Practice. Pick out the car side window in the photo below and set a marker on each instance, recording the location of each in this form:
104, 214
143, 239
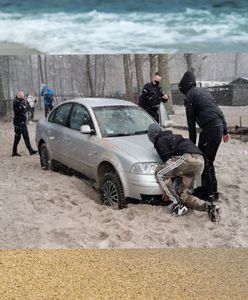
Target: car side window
79, 116
60, 115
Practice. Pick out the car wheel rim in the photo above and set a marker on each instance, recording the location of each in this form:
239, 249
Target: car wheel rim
110, 193
44, 159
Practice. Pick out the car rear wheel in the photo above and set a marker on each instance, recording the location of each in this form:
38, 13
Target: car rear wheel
45, 159
112, 193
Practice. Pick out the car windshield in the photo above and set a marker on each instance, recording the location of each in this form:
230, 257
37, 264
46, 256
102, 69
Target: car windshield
122, 120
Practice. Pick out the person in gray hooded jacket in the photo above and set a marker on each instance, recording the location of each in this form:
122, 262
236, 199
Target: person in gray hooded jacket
181, 159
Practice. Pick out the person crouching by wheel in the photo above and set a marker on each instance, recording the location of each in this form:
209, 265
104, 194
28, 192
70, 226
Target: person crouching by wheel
181, 158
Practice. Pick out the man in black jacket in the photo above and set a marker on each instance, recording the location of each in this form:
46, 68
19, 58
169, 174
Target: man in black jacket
152, 96
181, 159
20, 118
203, 110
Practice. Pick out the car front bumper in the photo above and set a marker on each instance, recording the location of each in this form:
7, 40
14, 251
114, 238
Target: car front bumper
136, 185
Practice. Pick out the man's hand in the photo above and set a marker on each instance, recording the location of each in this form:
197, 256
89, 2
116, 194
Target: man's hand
226, 138
165, 197
165, 98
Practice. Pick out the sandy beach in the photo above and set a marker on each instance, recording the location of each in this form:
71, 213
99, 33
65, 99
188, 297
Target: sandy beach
58, 242
124, 274
16, 49
42, 209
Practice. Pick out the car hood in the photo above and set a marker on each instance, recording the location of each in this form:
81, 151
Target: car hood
137, 146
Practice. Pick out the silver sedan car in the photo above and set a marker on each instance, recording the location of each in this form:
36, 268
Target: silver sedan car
106, 140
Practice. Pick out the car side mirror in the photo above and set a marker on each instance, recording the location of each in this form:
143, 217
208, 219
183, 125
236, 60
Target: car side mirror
85, 129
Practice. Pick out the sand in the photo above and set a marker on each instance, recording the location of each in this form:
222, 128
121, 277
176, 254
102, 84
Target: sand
233, 115
47, 210
124, 274
16, 49
61, 217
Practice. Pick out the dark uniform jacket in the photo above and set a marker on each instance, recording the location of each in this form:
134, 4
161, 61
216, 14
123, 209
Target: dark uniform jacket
150, 98
20, 112
201, 107
168, 144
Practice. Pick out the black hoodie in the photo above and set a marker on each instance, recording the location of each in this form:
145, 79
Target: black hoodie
168, 145
201, 107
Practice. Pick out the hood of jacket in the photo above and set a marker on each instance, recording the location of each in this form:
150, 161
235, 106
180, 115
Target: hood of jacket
153, 131
188, 80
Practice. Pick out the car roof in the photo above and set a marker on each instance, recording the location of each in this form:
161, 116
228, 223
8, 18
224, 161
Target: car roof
96, 102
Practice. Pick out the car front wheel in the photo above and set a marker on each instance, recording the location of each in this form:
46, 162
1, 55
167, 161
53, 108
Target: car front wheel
112, 193
45, 159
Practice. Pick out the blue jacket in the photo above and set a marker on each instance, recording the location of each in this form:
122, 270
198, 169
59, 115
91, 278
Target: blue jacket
48, 94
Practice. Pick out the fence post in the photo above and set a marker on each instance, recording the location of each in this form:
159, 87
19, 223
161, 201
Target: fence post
3, 108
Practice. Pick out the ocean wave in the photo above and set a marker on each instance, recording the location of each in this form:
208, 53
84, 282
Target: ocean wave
99, 32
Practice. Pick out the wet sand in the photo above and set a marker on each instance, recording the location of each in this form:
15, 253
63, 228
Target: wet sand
16, 49
124, 274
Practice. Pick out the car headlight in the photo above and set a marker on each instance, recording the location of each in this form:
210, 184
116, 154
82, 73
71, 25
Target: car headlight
145, 168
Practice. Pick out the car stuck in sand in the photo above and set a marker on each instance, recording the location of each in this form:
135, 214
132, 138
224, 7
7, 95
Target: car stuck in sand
105, 140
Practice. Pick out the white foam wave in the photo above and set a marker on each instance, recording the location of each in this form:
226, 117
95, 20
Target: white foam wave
97, 32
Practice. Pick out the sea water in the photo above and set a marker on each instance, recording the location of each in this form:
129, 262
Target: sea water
114, 26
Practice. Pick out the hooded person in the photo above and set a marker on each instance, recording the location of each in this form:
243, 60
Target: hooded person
20, 127
202, 109
182, 160
48, 95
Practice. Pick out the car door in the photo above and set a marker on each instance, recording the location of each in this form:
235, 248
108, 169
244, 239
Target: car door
57, 123
81, 148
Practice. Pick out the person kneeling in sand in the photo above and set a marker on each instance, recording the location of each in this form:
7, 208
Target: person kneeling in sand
184, 160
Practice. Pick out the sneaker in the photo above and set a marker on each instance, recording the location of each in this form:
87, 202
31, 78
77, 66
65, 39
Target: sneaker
178, 209
214, 212
33, 152
16, 154
210, 199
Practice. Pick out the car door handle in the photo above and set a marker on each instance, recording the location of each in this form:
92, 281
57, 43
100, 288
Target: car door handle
49, 131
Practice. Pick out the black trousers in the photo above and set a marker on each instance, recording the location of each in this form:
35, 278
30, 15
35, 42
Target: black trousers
209, 142
48, 108
21, 130
31, 113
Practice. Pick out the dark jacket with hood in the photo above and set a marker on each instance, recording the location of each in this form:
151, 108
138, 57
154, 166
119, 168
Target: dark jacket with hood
20, 112
201, 107
151, 97
168, 144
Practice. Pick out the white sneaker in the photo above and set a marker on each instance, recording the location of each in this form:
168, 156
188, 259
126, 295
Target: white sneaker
179, 210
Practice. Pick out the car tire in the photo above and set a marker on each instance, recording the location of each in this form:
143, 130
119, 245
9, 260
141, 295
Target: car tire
45, 159
112, 193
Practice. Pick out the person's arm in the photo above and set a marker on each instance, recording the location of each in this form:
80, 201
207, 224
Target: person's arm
191, 120
17, 107
162, 96
165, 152
226, 136
220, 113
143, 100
